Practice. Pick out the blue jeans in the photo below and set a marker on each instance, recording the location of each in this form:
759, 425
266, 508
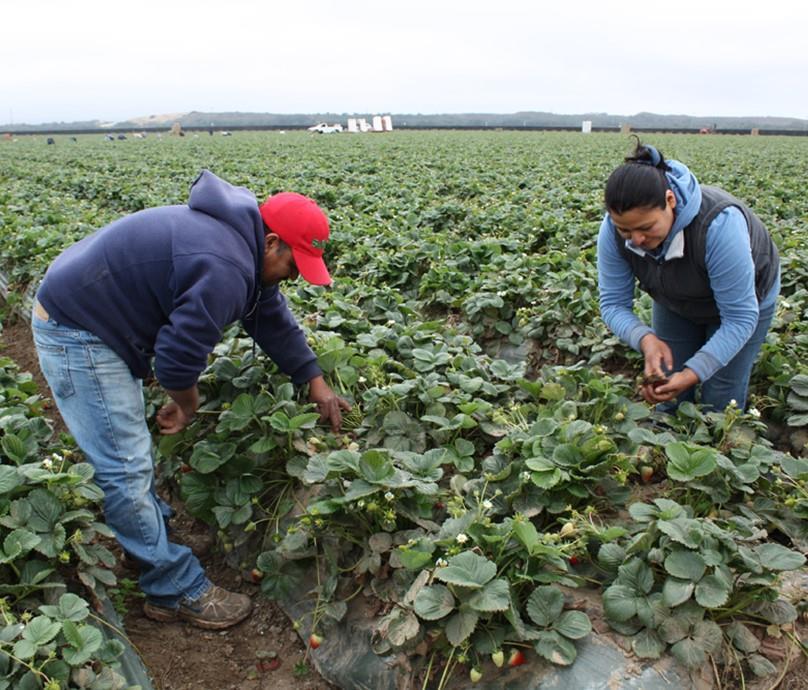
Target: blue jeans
102, 405
685, 338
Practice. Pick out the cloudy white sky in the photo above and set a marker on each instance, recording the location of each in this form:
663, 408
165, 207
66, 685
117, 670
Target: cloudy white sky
88, 59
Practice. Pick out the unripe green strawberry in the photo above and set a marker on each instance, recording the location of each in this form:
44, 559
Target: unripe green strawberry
498, 658
475, 675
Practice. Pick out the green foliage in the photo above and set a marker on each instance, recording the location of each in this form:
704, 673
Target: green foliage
676, 569
466, 492
49, 526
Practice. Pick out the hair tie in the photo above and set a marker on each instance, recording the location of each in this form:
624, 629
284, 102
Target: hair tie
656, 159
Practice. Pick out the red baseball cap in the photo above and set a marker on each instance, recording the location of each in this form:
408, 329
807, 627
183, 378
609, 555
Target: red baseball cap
301, 224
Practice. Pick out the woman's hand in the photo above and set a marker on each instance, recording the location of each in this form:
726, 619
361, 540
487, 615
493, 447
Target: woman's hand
658, 357
657, 386
670, 388
329, 404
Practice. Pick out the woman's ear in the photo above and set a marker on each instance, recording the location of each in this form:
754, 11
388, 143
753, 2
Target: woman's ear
670, 198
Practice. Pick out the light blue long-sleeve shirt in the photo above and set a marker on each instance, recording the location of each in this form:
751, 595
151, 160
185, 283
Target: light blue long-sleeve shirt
730, 268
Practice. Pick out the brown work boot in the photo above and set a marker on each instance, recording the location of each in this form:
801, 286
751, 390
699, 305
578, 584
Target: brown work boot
216, 609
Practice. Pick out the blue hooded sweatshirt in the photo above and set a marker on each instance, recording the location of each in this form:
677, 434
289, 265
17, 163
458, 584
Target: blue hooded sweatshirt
163, 283
730, 267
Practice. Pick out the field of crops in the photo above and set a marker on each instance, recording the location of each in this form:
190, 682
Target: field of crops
497, 457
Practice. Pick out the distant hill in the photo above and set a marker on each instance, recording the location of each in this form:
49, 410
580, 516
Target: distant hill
509, 120
520, 119
165, 120
53, 126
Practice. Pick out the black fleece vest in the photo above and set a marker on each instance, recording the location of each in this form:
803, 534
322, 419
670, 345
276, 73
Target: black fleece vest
682, 285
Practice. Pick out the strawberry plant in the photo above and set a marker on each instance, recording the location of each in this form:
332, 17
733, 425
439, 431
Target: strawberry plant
798, 400
677, 569
49, 533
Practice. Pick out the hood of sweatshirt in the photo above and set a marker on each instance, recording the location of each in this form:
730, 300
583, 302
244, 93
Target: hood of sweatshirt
686, 188
687, 191
235, 206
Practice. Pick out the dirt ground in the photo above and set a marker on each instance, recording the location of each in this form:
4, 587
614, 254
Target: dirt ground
262, 653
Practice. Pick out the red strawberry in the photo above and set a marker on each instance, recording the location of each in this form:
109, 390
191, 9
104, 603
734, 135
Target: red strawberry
256, 575
646, 473
517, 658
574, 561
315, 640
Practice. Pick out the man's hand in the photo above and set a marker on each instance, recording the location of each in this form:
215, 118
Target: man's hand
171, 419
179, 413
329, 404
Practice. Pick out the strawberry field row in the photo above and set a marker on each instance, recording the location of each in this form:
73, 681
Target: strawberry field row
491, 464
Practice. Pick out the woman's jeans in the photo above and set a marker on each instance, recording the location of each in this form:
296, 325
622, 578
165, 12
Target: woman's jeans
685, 338
102, 405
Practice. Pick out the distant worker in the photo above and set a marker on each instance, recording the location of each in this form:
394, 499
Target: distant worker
711, 268
155, 289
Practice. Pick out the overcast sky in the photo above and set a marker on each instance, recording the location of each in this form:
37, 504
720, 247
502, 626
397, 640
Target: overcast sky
92, 59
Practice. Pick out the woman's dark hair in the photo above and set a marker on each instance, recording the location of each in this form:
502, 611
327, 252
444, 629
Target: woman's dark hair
640, 182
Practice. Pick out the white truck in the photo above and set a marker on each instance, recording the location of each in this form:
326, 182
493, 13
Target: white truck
325, 128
